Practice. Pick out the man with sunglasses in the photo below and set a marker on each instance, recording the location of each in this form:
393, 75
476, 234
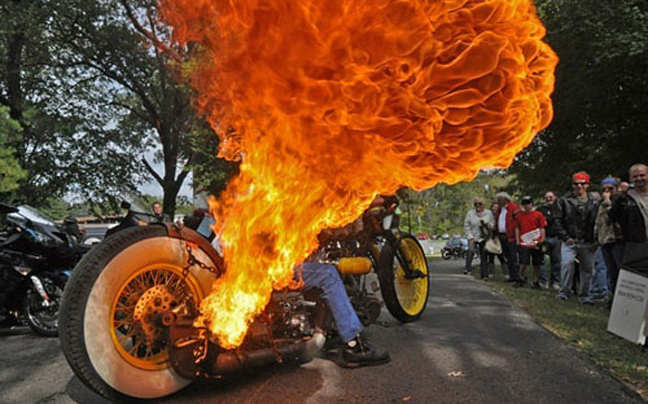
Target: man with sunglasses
575, 219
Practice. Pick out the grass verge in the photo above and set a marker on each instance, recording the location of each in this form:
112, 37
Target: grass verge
584, 327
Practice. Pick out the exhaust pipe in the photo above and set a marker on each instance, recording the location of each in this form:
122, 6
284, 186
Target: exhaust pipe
38, 285
233, 361
191, 354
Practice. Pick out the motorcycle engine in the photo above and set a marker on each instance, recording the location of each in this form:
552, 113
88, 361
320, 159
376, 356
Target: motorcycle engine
289, 313
286, 320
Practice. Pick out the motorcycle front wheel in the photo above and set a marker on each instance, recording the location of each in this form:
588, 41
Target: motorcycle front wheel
446, 254
405, 298
43, 318
112, 349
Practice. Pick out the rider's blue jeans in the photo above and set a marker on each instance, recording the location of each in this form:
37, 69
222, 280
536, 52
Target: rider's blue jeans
326, 278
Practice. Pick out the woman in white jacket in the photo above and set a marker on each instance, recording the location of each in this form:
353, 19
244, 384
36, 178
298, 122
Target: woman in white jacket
477, 225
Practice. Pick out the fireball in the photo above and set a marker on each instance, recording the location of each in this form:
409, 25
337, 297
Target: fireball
327, 103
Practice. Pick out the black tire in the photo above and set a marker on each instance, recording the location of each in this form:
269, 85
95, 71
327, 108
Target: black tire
395, 288
88, 347
42, 320
446, 255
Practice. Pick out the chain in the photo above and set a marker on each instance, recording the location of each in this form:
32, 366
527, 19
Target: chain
191, 261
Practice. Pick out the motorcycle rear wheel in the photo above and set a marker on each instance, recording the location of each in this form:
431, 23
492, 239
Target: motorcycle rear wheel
99, 335
405, 299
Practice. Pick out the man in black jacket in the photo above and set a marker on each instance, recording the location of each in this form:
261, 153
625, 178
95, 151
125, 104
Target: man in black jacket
575, 217
552, 241
630, 208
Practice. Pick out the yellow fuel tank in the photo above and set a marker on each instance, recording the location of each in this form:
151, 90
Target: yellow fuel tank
354, 266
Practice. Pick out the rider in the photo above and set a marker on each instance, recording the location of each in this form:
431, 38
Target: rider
355, 349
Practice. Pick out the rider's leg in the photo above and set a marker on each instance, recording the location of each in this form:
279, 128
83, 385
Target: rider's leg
326, 278
355, 351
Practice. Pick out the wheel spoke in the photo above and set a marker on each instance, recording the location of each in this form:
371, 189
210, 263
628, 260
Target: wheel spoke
136, 350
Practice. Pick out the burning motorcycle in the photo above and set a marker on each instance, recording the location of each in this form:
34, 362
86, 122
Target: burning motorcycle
129, 327
36, 257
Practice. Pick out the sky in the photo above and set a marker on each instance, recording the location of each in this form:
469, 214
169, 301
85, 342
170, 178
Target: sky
155, 189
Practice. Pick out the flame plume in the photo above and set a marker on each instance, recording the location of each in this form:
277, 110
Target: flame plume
334, 101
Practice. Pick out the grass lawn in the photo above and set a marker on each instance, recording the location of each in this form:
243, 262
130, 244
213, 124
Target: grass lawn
585, 328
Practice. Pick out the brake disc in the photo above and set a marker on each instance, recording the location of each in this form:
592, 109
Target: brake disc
149, 309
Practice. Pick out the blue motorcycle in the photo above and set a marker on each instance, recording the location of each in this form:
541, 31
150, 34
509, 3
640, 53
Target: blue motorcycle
36, 257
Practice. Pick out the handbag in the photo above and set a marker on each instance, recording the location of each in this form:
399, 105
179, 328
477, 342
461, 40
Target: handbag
493, 246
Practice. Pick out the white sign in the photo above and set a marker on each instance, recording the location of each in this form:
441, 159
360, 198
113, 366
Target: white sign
630, 307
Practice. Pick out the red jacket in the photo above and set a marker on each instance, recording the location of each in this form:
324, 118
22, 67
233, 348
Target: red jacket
511, 210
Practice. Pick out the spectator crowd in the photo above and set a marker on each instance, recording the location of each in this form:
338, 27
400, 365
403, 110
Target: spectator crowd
587, 236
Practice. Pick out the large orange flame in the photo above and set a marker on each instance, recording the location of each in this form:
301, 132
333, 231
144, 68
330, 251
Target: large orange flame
334, 101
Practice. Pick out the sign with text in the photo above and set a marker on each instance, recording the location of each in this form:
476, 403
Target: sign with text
629, 310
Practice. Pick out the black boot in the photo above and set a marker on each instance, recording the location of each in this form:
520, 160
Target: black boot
358, 352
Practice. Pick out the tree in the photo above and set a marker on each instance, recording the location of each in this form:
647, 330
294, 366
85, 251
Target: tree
10, 170
442, 209
601, 95
124, 43
93, 85
73, 139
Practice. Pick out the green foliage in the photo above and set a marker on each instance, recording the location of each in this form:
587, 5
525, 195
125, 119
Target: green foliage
442, 209
10, 170
211, 173
601, 95
60, 208
73, 134
92, 86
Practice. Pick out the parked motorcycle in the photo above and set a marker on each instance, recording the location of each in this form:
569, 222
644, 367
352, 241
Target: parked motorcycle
135, 216
455, 248
128, 326
36, 257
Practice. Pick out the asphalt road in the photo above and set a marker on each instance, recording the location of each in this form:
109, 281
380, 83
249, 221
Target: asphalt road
471, 346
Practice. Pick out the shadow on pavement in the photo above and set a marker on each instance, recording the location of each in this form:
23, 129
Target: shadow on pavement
264, 385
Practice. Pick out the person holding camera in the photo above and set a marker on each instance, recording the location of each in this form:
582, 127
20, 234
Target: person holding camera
609, 233
477, 225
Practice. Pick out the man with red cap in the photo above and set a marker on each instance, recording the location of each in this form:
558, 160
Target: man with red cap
575, 220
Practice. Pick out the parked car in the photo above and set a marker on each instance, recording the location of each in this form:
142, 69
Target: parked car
422, 236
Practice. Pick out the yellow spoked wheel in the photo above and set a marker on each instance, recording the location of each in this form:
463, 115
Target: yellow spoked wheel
405, 296
144, 297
